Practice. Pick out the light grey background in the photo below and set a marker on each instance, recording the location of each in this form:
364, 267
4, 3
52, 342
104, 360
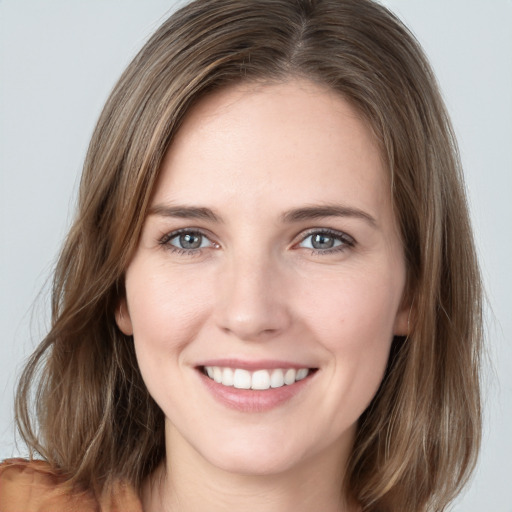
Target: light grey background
58, 62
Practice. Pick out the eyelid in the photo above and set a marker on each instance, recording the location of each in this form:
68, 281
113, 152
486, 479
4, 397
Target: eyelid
345, 238
167, 237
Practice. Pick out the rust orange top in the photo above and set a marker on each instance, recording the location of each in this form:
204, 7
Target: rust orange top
33, 486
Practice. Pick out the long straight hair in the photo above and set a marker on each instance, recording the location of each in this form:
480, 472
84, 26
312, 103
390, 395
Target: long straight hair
91, 415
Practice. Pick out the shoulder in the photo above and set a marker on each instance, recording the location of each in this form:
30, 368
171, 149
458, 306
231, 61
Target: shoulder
34, 486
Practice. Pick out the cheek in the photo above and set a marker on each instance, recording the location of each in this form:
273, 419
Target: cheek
354, 311
354, 322
166, 307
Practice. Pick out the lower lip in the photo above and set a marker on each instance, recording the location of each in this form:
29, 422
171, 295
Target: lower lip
248, 400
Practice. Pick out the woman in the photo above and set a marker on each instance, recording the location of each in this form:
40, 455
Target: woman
269, 298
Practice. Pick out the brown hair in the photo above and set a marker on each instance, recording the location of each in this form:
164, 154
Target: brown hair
417, 442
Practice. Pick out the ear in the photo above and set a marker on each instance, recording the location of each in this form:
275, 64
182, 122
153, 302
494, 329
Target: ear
123, 319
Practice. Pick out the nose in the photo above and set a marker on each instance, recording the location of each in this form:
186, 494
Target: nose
251, 302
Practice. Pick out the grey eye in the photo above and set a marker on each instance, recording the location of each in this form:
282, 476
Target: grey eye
190, 241
321, 241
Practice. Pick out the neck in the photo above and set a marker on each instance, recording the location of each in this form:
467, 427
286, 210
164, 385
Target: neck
186, 482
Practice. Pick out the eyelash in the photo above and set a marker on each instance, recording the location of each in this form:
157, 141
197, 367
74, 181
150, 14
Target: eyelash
345, 239
166, 239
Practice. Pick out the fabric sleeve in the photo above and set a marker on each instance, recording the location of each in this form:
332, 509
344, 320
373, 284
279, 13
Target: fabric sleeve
33, 486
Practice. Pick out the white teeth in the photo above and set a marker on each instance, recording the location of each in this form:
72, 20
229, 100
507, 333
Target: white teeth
217, 374
242, 379
301, 374
289, 376
258, 380
227, 377
277, 379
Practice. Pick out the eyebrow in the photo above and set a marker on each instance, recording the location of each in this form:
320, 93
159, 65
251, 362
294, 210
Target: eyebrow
291, 216
322, 211
185, 212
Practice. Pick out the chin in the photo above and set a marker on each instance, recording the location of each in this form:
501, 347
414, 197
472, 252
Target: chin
252, 464
250, 456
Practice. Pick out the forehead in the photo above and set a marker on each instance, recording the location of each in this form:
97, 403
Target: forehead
285, 143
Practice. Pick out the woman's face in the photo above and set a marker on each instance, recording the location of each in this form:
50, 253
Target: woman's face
269, 260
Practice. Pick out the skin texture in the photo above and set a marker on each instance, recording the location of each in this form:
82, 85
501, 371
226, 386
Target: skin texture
256, 289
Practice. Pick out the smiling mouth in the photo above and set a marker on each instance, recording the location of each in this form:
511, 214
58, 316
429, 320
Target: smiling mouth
256, 380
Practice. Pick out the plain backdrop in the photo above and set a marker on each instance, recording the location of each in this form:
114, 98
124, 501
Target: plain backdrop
60, 59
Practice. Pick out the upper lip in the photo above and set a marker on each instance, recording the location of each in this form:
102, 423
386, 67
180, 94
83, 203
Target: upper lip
259, 364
